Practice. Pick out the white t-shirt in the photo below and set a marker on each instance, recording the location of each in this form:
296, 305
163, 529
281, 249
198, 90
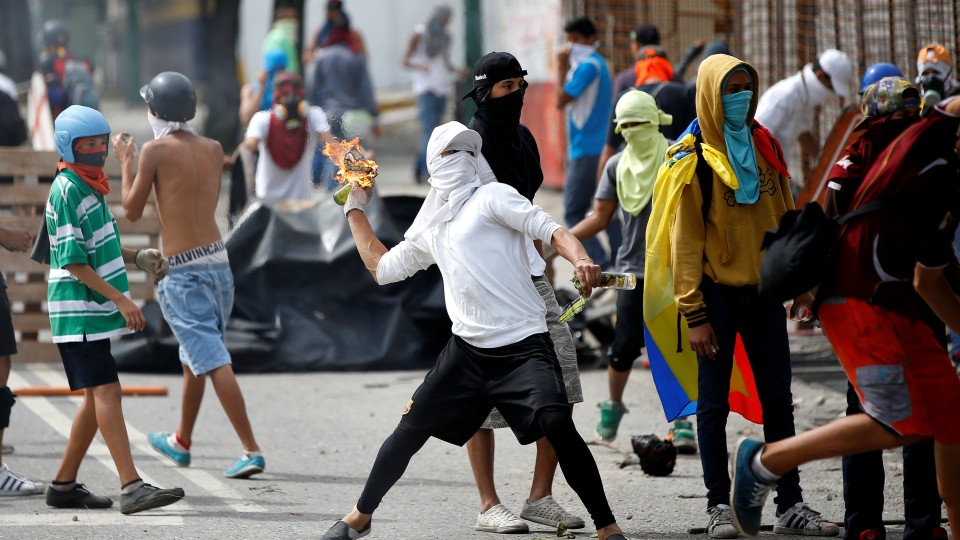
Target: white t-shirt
536, 262
274, 183
481, 254
788, 108
437, 78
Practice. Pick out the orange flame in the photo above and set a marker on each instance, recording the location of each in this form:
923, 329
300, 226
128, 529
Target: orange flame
351, 160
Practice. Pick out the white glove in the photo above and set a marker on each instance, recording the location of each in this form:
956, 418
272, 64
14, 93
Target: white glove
152, 262
356, 200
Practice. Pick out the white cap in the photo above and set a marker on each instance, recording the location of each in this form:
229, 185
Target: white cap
840, 69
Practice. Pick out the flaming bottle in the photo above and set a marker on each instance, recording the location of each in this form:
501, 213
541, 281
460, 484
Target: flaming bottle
353, 166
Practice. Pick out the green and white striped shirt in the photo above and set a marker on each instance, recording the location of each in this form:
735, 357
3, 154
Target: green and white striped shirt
82, 231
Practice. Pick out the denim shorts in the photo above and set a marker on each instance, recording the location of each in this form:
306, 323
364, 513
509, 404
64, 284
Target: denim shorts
196, 301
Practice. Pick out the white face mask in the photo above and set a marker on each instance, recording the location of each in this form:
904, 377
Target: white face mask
453, 171
164, 127
453, 179
580, 52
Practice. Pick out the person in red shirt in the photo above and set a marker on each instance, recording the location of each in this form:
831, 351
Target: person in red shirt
901, 372
890, 105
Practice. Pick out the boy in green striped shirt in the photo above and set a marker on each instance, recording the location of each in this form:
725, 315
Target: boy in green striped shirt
89, 302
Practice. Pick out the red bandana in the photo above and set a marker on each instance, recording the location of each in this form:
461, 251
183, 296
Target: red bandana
769, 148
286, 145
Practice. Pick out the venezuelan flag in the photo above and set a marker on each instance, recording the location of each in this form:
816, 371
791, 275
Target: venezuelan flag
672, 361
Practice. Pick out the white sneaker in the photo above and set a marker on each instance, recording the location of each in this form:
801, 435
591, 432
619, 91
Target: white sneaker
12, 484
498, 519
721, 523
800, 519
549, 512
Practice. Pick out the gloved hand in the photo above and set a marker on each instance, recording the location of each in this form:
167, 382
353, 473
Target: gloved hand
152, 262
356, 200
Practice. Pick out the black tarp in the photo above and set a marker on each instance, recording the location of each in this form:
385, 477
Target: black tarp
305, 302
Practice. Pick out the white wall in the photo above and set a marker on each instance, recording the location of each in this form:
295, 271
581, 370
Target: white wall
530, 30
386, 27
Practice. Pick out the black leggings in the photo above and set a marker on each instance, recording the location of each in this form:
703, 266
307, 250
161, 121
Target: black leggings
576, 462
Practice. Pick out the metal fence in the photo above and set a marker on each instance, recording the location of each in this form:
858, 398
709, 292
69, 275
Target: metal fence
779, 36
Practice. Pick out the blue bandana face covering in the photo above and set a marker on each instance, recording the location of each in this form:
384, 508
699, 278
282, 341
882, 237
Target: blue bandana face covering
739, 139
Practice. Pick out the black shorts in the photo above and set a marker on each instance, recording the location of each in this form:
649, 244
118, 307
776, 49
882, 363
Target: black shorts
8, 340
88, 363
468, 382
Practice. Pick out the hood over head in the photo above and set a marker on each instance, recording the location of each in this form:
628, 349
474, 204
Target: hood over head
711, 78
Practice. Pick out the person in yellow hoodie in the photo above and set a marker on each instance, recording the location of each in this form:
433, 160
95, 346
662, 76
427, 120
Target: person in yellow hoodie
715, 261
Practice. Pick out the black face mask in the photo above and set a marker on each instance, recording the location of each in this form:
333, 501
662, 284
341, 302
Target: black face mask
503, 111
508, 146
96, 159
292, 106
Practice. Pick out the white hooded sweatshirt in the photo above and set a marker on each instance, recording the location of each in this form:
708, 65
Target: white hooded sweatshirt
477, 235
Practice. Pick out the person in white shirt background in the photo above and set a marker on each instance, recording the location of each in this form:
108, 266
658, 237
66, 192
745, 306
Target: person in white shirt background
428, 54
788, 107
286, 136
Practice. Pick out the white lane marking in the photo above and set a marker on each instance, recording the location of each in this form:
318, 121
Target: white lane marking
61, 423
232, 498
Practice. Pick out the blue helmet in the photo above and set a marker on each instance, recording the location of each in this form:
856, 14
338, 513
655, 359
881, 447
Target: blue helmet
75, 122
879, 71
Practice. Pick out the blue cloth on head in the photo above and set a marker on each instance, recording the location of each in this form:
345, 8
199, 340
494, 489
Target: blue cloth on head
274, 60
740, 152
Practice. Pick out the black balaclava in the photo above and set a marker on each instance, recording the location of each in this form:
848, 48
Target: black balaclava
508, 146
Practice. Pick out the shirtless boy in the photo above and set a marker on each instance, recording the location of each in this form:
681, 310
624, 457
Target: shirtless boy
197, 295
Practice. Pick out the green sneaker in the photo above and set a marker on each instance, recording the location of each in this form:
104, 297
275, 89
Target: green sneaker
683, 436
611, 412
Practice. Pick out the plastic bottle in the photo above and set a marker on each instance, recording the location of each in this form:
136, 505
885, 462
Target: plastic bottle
618, 280
340, 195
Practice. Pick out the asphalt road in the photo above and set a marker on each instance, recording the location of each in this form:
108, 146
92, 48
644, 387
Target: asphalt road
320, 433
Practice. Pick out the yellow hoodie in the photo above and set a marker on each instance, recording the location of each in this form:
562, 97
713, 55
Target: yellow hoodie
725, 248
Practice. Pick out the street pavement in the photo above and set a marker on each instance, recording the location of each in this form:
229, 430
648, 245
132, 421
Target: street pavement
321, 431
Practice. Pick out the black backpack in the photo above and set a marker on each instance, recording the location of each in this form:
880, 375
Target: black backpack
800, 249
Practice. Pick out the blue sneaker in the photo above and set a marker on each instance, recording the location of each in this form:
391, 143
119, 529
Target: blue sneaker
246, 466
161, 443
749, 490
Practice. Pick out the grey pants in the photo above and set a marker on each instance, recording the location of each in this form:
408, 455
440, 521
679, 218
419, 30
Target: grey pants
562, 345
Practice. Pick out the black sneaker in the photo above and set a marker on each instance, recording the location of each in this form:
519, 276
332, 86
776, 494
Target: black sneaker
341, 531
147, 497
78, 497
